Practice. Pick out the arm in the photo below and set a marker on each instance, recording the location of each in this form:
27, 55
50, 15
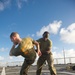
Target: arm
11, 51
49, 46
15, 51
48, 49
38, 48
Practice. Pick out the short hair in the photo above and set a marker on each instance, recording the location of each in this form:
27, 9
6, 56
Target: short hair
46, 32
13, 34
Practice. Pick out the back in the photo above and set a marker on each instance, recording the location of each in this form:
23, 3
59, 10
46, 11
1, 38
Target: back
27, 48
26, 44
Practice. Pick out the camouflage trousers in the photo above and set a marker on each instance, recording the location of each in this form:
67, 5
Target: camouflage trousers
26, 65
50, 61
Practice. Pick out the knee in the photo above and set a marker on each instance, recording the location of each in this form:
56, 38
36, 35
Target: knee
51, 66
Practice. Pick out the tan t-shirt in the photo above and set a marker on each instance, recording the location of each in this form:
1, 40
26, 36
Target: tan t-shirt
44, 45
25, 48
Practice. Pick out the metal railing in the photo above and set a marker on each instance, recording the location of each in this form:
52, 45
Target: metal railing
65, 60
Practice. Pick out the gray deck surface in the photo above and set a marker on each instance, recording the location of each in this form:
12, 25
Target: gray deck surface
61, 70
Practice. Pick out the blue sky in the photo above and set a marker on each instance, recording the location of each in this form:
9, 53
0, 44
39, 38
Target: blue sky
32, 18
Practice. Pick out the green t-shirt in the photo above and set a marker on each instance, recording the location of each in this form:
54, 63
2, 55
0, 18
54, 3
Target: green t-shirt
25, 48
44, 45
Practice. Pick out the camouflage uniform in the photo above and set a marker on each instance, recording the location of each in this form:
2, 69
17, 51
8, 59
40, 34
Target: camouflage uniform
25, 49
46, 56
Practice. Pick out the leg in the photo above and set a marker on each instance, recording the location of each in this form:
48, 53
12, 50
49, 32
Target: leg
24, 69
40, 63
50, 61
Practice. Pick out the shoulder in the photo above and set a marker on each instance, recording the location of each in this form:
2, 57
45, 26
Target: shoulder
49, 40
40, 39
27, 39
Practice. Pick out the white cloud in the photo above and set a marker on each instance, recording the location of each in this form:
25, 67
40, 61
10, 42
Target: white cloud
58, 54
52, 28
1, 6
13, 58
20, 3
4, 4
33, 35
55, 48
1, 58
68, 53
10, 57
11, 26
68, 34
3, 49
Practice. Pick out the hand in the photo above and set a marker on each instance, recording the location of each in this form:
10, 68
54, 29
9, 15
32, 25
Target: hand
12, 50
39, 53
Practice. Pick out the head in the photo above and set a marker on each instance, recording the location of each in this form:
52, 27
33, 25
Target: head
46, 34
14, 36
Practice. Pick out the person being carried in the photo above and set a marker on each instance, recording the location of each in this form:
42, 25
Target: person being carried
25, 48
45, 48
